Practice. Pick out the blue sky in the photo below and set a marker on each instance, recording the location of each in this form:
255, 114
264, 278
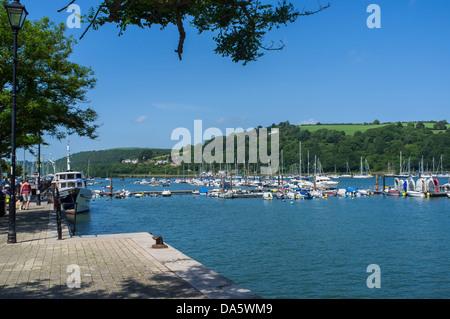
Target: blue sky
334, 69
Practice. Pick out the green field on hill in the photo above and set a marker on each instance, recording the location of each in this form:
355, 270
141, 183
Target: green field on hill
350, 129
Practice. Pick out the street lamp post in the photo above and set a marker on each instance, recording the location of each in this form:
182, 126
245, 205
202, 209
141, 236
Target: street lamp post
17, 15
38, 183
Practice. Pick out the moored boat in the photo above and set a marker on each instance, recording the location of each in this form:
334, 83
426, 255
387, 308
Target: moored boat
226, 194
268, 195
74, 196
325, 182
166, 193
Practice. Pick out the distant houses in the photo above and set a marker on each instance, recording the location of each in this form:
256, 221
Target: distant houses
136, 161
129, 161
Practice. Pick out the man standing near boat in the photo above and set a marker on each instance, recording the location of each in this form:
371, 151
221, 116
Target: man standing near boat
25, 192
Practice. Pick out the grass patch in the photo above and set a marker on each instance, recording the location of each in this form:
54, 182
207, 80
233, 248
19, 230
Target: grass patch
350, 129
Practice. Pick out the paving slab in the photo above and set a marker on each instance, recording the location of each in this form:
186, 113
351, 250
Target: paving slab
119, 266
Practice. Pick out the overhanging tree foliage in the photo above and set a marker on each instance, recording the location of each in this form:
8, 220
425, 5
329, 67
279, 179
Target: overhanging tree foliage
240, 25
51, 90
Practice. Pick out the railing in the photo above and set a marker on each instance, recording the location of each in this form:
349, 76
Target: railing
2, 204
57, 206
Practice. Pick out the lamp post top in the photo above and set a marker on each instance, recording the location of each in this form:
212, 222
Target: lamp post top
17, 14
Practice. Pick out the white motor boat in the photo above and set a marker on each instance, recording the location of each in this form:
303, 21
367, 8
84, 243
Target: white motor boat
325, 182
74, 196
166, 193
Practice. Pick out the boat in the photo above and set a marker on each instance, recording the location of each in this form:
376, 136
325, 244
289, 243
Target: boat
347, 173
448, 194
324, 182
166, 193
227, 194
291, 195
433, 189
419, 189
352, 192
400, 187
305, 195
365, 175
316, 193
341, 192
267, 195
74, 195
365, 192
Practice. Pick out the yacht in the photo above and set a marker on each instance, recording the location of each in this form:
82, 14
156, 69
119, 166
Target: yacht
325, 182
366, 174
74, 196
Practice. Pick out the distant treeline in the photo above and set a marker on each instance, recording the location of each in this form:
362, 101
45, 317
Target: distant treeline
333, 149
380, 146
109, 162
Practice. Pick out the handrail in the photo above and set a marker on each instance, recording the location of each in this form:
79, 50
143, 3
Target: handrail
57, 205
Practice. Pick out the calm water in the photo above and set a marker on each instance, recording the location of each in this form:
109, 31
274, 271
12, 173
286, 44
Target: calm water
318, 248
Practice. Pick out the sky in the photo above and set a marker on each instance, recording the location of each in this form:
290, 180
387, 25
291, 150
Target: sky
333, 69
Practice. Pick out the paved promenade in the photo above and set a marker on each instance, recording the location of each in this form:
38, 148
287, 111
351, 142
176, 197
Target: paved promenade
122, 266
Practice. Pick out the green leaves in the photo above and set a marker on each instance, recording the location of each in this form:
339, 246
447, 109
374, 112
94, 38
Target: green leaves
50, 87
240, 26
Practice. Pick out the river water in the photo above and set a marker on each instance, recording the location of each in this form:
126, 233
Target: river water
319, 248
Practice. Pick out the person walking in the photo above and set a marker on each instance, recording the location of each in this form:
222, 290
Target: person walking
25, 192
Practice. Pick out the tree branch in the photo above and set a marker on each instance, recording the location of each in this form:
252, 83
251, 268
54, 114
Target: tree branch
182, 37
308, 13
93, 20
271, 48
66, 6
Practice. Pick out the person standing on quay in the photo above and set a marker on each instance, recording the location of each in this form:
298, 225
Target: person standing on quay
25, 191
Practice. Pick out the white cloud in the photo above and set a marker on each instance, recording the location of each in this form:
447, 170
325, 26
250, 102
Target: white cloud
308, 122
141, 119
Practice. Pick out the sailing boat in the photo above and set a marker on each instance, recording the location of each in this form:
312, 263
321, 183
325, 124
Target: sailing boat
401, 174
74, 196
365, 175
347, 174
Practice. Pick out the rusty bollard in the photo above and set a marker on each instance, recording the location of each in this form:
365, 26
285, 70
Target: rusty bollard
159, 242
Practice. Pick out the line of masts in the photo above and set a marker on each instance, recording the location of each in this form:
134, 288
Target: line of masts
317, 166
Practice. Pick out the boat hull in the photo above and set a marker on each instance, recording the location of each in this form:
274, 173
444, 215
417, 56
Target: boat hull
75, 200
415, 194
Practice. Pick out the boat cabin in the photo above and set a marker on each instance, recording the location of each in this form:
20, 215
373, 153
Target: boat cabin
69, 180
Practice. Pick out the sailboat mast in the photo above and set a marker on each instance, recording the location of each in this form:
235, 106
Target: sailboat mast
361, 167
300, 168
308, 163
68, 156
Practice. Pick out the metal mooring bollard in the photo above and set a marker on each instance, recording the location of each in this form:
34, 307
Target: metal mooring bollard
159, 242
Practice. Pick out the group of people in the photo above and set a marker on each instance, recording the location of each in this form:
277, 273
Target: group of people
23, 192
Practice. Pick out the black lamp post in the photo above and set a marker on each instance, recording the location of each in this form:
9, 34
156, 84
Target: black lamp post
17, 15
